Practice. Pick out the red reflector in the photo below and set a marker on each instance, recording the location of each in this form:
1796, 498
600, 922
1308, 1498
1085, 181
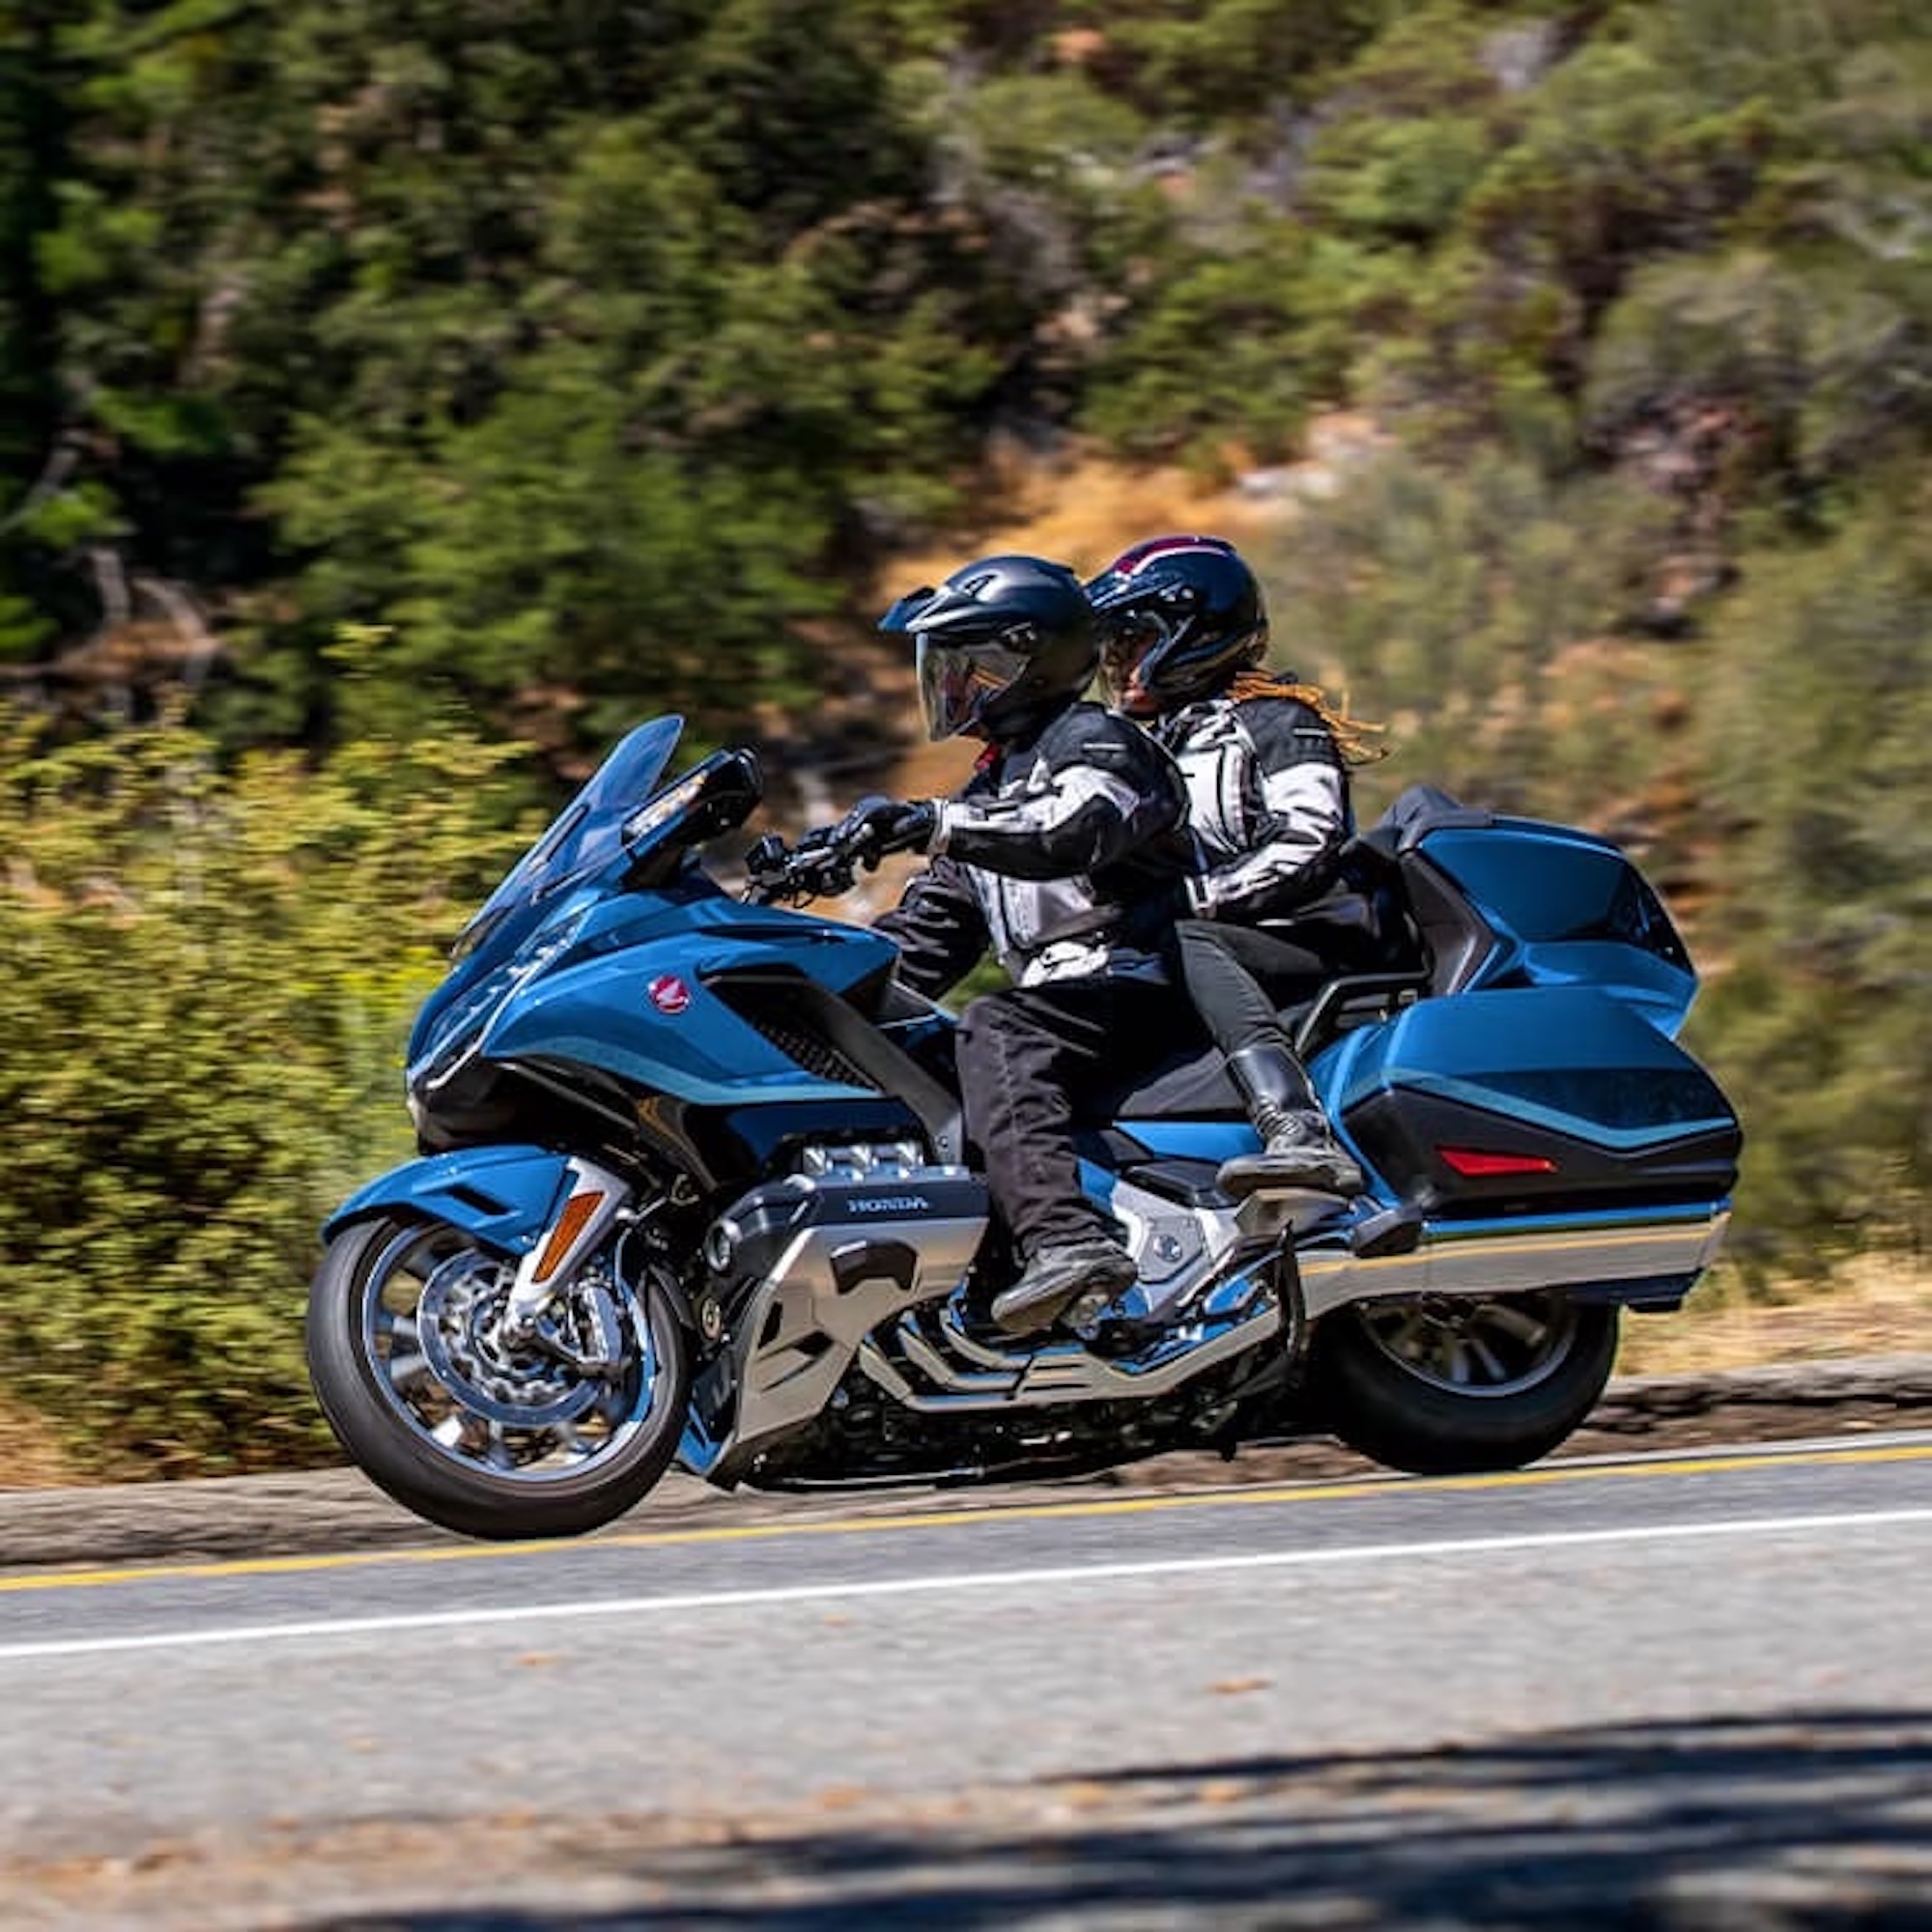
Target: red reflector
1472, 1161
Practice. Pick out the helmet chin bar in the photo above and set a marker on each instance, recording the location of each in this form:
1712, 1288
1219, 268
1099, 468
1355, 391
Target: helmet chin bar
1004, 634
1022, 715
1199, 609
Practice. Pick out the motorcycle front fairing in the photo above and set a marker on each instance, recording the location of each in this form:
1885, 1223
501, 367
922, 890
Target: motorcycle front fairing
654, 1004
584, 846
590, 955
534, 915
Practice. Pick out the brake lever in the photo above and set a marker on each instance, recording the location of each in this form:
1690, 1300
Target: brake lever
766, 865
807, 871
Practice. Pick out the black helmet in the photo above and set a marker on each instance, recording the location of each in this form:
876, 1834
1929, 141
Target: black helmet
1000, 641
1179, 617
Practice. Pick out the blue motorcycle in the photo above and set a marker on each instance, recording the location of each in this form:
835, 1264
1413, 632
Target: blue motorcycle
693, 1185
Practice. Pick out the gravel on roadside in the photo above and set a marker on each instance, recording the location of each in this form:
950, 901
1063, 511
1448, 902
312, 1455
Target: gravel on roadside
332, 1510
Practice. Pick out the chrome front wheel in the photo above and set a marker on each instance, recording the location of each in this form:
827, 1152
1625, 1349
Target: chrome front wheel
474, 1421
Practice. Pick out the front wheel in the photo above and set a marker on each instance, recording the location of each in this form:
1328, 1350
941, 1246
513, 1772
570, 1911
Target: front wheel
1450, 1386
482, 1433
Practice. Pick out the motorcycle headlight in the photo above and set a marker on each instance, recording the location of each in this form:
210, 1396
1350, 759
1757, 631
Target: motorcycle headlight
659, 812
471, 1020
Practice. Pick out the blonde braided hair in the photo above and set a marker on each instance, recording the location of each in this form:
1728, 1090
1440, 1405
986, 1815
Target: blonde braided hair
1354, 737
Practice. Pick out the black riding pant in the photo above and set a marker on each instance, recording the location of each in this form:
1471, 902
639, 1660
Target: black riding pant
1238, 977
1031, 1061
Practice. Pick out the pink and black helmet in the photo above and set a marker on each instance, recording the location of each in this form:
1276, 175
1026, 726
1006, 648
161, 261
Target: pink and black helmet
1180, 617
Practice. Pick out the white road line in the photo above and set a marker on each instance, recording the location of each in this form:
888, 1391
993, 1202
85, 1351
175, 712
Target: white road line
989, 1579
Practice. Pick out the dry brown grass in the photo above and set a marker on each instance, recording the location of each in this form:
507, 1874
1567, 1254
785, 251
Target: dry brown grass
28, 1459
1872, 1308
1083, 511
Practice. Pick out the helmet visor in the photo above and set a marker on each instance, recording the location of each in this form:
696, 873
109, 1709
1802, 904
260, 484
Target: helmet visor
1125, 643
956, 682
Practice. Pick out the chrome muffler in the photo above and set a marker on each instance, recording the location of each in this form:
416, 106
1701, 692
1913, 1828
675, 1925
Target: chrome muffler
1641, 1256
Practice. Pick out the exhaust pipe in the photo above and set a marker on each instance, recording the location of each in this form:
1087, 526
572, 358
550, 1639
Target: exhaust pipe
1646, 1257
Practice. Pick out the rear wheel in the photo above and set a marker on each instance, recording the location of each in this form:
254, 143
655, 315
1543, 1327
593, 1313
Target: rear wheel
1448, 1386
471, 1426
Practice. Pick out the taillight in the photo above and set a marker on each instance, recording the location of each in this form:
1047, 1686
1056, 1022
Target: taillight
1473, 1163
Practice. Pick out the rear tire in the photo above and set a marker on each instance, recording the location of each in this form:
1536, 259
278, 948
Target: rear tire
491, 1442
1444, 1388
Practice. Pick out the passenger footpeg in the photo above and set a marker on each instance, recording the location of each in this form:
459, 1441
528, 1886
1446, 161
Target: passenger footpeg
1281, 1210
1390, 1231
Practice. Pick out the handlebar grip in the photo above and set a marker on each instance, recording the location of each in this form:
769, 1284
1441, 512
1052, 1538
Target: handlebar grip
806, 870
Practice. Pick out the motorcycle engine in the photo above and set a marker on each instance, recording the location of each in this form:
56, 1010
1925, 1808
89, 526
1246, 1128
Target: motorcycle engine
848, 1215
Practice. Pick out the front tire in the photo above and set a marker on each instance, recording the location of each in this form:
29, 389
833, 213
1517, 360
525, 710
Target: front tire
1448, 1386
471, 1432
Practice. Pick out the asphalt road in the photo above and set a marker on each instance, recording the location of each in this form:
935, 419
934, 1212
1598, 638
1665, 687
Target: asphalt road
1688, 1691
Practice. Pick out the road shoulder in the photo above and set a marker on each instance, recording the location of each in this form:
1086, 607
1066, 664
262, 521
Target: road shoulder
327, 1510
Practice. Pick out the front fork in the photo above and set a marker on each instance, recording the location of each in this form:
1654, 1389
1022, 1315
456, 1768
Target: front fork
591, 1203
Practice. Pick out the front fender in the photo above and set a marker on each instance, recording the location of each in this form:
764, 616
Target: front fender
504, 1196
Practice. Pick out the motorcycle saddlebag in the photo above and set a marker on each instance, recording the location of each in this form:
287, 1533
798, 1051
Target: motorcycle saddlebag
1534, 1099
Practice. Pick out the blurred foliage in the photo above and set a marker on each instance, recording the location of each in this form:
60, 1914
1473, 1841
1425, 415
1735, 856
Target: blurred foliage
1814, 715
597, 360
1474, 613
606, 360
209, 976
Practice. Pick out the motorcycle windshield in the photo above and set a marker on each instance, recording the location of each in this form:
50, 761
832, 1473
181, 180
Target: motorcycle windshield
584, 839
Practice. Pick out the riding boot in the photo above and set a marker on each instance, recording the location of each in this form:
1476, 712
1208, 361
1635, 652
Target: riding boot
1298, 1148
1056, 1277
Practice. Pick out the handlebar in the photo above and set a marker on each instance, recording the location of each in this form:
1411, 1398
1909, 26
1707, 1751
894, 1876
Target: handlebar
825, 860
819, 866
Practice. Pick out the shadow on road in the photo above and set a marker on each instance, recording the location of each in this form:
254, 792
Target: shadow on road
1814, 1822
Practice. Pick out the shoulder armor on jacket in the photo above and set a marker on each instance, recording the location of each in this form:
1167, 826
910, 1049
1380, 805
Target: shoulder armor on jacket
1283, 731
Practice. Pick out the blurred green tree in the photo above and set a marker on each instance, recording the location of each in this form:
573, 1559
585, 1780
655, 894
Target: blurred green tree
1813, 724
208, 976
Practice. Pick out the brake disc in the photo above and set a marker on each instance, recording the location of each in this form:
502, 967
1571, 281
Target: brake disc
458, 1328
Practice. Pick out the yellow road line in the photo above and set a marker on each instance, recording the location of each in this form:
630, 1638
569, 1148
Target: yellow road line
1223, 1498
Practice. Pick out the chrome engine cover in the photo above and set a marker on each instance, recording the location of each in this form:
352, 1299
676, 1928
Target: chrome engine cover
808, 1265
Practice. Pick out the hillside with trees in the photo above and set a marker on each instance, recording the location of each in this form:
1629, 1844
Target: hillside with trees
396, 402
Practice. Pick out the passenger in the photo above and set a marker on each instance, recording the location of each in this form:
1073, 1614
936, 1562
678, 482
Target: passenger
1183, 635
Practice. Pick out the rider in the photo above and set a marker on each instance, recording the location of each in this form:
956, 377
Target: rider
1072, 818
1184, 631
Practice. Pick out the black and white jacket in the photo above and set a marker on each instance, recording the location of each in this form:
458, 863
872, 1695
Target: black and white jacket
1042, 855
1270, 810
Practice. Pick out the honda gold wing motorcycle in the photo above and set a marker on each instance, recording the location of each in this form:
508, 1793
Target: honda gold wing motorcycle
693, 1186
